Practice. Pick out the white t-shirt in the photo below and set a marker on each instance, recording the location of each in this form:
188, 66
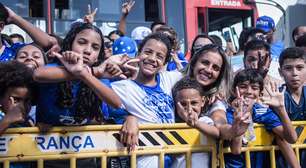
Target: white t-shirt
217, 105
149, 104
198, 160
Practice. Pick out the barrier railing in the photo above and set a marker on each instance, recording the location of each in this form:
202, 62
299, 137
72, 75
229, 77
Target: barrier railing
73, 143
264, 142
26, 144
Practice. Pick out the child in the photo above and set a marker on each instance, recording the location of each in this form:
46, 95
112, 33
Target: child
15, 94
71, 95
74, 102
149, 95
15, 98
248, 84
32, 55
187, 94
292, 62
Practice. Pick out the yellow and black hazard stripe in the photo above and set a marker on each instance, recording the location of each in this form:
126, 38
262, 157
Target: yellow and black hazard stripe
162, 138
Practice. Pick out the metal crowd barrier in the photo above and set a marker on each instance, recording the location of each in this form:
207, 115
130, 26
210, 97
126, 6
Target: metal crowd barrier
72, 143
264, 142
27, 144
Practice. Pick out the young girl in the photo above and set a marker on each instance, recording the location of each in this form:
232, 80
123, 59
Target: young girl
247, 86
76, 102
71, 95
189, 102
32, 56
149, 95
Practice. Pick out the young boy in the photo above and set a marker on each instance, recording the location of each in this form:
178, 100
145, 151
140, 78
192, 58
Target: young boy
292, 64
187, 94
247, 86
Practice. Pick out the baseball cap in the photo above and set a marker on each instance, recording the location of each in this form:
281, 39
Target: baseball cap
125, 45
139, 33
265, 23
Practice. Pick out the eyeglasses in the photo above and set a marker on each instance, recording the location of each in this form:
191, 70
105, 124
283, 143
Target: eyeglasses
108, 45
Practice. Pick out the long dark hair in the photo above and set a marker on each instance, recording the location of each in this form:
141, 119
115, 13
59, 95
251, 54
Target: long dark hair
88, 105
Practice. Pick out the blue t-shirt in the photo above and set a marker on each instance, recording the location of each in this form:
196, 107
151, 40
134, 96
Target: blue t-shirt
48, 111
260, 115
113, 115
9, 53
171, 66
296, 112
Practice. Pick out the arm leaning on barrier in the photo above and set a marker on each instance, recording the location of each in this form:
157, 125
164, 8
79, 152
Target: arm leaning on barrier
26, 144
129, 132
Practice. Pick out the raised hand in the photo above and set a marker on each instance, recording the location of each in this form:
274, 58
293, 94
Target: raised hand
90, 17
11, 15
16, 111
187, 113
242, 114
276, 97
127, 6
117, 66
73, 62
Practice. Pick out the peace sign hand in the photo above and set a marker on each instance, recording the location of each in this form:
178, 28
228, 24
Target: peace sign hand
126, 7
90, 17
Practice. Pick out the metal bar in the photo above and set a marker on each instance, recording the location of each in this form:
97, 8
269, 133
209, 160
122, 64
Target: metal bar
104, 162
248, 159
272, 158
6, 164
40, 163
133, 160
73, 162
188, 159
161, 160
214, 158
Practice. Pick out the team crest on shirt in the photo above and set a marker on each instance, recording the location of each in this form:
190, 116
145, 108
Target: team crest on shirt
162, 105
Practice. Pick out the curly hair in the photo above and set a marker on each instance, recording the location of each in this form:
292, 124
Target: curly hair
186, 83
15, 74
158, 37
172, 35
87, 103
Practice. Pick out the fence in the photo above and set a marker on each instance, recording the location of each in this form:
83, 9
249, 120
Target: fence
72, 143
